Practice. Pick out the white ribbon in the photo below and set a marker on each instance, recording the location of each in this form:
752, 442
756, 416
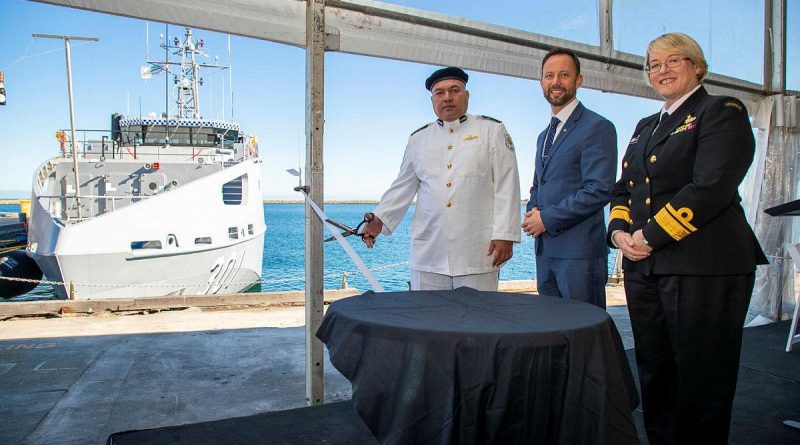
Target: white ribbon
345, 245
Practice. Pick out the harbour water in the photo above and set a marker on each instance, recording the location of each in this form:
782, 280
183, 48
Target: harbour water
284, 253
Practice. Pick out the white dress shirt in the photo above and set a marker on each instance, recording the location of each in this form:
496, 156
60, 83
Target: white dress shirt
464, 174
564, 115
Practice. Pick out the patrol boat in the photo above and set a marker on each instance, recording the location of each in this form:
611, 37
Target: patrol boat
159, 206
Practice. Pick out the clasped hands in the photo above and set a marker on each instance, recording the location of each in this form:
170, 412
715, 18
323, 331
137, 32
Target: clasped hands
532, 225
632, 246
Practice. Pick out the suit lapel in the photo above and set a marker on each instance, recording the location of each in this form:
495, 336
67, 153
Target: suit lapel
675, 119
539, 148
565, 132
646, 134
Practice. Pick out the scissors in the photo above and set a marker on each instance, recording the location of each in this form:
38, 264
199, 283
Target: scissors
350, 230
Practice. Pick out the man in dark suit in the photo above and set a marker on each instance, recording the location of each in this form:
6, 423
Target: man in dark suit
576, 159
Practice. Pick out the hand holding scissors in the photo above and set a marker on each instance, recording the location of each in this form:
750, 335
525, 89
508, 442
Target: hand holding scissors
372, 227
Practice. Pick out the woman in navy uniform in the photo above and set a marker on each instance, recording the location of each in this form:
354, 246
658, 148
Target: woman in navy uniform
689, 253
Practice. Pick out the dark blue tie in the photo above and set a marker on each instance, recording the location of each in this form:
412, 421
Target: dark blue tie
551, 134
661, 119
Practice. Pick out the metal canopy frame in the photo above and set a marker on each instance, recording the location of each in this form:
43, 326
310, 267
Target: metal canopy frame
376, 29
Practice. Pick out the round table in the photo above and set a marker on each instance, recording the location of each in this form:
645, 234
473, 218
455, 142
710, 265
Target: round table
466, 366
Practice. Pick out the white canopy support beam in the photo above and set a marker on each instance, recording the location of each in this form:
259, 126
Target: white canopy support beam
775, 45
606, 29
315, 122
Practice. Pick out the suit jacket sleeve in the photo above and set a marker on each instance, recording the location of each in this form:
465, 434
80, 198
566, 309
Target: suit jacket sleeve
598, 169
724, 151
505, 177
396, 200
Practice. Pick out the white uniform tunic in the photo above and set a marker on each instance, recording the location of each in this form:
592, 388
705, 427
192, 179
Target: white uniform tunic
465, 176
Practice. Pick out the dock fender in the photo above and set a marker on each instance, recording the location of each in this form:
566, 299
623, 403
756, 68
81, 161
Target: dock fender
17, 264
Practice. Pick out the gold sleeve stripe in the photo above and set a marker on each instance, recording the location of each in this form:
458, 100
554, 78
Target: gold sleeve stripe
620, 212
684, 215
675, 223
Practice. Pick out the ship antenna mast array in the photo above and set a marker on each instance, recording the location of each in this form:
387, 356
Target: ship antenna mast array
187, 77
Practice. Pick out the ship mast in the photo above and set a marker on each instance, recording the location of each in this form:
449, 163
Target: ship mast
187, 77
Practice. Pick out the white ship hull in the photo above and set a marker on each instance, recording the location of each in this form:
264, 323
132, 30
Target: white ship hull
168, 240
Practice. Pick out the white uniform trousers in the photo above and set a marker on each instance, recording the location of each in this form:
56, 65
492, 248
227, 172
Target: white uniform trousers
434, 281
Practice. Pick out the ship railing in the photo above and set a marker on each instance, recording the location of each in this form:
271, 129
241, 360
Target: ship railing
110, 144
65, 207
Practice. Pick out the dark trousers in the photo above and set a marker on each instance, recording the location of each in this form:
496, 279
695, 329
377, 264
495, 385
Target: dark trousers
582, 279
688, 334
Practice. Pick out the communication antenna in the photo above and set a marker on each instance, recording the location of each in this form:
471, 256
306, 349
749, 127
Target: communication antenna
66, 40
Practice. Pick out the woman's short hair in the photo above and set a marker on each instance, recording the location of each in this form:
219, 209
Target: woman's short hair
679, 43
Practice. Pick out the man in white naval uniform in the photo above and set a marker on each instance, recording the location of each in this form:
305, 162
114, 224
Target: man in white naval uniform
463, 170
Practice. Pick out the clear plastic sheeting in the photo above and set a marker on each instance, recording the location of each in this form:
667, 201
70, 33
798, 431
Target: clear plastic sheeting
574, 20
729, 31
774, 293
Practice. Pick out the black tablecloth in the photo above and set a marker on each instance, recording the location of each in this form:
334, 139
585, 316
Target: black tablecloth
465, 366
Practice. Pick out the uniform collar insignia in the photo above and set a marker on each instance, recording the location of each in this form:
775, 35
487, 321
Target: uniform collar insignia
452, 125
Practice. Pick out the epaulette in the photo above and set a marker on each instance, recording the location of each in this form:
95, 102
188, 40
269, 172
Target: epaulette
733, 103
489, 118
420, 129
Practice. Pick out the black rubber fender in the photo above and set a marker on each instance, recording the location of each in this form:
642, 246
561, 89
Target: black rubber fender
17, 264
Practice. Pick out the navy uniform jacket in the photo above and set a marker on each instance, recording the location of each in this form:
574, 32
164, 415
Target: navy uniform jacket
573, 185
680, 185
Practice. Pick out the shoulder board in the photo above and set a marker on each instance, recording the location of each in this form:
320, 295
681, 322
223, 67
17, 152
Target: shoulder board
733, 103
420, 129
726, 102
489, 118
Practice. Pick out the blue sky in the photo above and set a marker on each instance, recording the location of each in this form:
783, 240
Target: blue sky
372, 104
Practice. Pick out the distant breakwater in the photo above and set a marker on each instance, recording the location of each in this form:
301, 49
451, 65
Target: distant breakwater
275, 201
334, 201
266, 201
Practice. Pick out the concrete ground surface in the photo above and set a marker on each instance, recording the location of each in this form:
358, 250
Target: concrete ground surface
77, 378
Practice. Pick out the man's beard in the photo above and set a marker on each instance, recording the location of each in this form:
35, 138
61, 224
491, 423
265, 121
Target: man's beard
563, 100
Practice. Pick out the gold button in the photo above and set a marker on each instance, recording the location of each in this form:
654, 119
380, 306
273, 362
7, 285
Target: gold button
449, 146
653, 159
647, 201
630, 184
449, 204
450, 130
630, 202
449, 165
625, 164
647, 180
449, 184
